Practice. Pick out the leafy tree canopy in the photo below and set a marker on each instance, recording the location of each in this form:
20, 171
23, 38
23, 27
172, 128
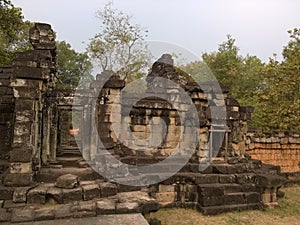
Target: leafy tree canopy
72, 66
120, 44
13, 31
280, 92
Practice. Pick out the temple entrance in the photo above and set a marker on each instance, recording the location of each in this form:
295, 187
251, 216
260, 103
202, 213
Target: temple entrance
66, 142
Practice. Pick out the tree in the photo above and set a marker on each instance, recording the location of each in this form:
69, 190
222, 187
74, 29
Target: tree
226, 63
280, 96
120, 45
72, 66
242, 75
13, 31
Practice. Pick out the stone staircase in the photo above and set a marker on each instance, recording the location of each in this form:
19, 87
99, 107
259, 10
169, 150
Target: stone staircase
66, 164
223, 186
234, 185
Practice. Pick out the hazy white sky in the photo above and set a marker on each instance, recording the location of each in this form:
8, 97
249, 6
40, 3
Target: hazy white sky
259, 26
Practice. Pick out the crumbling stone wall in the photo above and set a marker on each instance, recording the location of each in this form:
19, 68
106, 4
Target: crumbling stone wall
278, 148
7, 103
141, 114
32, 75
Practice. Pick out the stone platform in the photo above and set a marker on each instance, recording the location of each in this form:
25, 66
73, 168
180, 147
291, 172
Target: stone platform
233, 185
125, 219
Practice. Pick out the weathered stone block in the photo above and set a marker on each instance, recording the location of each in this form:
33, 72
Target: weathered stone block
31, 73
17, 168
106, 207
27, 93
249, 188
270, 181
84, 214
22, 215
71, 195
165, 197
4, 215
129, 207
149, 206
24, 116
224, 179
25, 63
6, 193
108, 189
67, 181
166, 188
33, 55
146, 203
211, 190
90, 191
210, 201
245, 178
56, 194
20, 194
37, 195
233, 198
232, 188
63, 211
87, 206
44, 214
223, 169
242, 168
252, 197
21, 154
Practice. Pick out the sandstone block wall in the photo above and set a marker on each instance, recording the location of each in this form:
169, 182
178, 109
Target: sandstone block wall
23, 87
158, 119
281, 149
7, 102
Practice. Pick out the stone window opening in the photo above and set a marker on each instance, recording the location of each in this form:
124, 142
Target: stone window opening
218, 142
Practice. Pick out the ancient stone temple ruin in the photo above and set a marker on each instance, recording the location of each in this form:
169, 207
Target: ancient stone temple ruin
103, 166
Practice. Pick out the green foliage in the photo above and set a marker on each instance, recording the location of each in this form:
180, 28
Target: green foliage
280, 94
242, 75
199, 71
72, 66
272, 88
119, 46
13, 31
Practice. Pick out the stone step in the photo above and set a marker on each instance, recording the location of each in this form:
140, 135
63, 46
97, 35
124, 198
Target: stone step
215, 196
213, 210
68, 161
226, 168
142, 160
49, 175
74, 205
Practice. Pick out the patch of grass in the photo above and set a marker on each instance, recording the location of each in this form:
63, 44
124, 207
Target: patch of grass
288, 212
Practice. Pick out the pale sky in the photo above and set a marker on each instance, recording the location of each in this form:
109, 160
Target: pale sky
259, 26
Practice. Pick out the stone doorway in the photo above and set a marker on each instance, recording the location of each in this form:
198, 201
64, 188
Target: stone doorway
66, 142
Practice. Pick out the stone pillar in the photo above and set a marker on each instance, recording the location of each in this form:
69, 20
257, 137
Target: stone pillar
33, 73
109, 109
53, 133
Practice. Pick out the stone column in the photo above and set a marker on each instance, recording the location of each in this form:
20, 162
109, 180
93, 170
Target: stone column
33, 73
